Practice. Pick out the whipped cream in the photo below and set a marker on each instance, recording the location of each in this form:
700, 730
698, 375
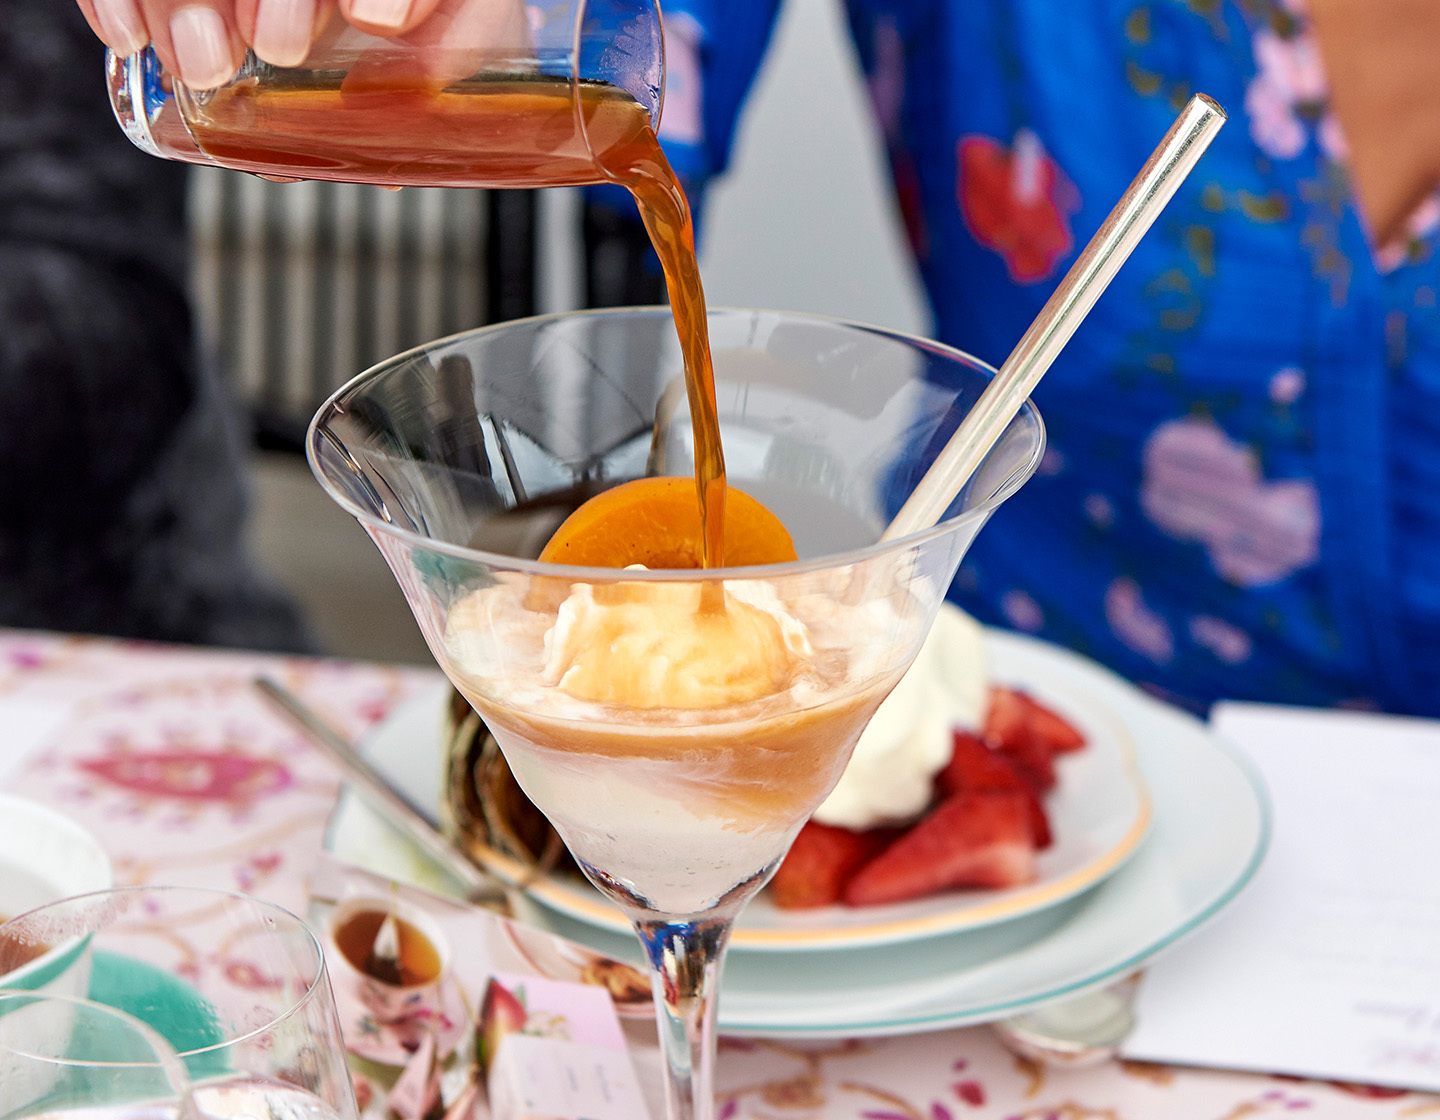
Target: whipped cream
909, 740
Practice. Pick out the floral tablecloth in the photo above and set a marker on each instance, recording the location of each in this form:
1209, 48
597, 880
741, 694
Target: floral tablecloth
188, 776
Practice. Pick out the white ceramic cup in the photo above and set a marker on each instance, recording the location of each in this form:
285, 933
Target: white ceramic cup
389, 1003
45, 856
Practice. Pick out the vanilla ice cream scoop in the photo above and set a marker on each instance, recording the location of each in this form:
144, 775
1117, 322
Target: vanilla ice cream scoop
909, 740
651, 645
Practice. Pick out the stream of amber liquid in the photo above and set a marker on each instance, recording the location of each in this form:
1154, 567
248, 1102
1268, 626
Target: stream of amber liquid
490, 133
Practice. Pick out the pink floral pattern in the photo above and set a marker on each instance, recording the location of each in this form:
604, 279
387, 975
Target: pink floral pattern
1420, 225
1023, 612
187, 775
1100, 511
1287, 103
1288, 89
1199, 485
886, 82
1228, 643
1135, 624
683, 119
180, 767
1288, 385
963, 1074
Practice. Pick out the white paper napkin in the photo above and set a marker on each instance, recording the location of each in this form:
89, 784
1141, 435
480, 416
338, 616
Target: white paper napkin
1329, 964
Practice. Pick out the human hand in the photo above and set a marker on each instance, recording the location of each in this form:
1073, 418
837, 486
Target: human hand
204, 41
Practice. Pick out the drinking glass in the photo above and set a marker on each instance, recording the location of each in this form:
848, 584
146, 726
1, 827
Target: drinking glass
486, 93
459, 459
235, 985
61, 1057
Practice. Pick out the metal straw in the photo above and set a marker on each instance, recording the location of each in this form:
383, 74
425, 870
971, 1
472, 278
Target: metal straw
1096, 266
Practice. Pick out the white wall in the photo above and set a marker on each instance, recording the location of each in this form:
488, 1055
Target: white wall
803, 221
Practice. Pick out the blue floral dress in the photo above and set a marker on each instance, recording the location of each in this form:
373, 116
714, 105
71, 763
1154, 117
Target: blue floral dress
1241, 498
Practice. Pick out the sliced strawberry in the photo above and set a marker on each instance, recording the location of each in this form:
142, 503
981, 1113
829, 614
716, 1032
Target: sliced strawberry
1051, 728
1009, 730
820, 863
979, 838
1007, 720
1035, 762
1039, 821
974, 766
502, 1013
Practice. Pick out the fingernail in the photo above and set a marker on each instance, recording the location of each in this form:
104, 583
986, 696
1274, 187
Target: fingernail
380, 13
202, 47
123, 25
282, 31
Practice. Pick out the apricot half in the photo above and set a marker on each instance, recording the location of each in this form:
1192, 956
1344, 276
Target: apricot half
656, 522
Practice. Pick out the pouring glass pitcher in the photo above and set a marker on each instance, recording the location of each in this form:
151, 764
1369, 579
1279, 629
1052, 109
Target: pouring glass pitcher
485, 93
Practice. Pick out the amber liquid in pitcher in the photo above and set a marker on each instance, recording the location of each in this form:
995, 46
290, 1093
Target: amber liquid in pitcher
511, 132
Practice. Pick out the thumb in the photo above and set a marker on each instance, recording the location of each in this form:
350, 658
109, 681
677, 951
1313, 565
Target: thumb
387, 18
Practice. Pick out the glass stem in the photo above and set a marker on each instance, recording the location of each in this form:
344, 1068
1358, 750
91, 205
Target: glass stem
685, 959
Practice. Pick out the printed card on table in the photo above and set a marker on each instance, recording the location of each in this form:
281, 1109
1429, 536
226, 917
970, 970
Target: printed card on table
1328, 965
557, 1024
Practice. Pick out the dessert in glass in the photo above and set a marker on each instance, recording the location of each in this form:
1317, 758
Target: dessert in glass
677, 723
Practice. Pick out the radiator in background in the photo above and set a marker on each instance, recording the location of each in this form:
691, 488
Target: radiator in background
300, 286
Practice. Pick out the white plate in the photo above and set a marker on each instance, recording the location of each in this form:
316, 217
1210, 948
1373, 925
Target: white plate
1100, 811
1210, 829
44, 856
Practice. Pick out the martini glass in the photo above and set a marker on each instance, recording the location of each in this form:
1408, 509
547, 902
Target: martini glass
677, 776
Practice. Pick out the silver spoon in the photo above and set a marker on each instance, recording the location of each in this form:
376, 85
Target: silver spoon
479, 886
